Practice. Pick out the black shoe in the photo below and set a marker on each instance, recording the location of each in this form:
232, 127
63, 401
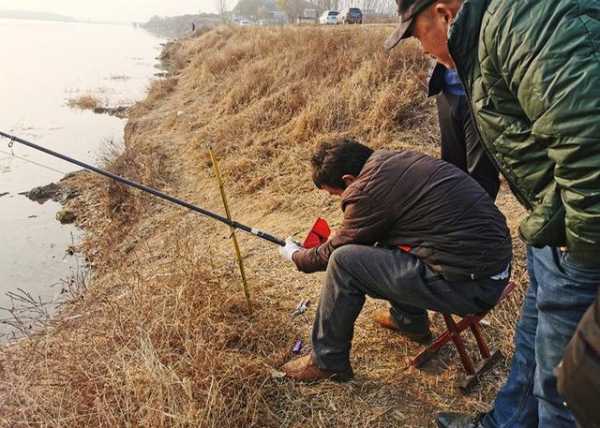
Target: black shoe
459, 420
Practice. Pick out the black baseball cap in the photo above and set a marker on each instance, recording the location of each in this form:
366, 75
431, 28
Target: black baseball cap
408, 10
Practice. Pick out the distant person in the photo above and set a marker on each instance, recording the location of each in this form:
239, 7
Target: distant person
193, 27
461, 145
531, 72
417, 232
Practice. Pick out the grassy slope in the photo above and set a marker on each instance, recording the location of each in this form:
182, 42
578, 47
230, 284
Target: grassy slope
161, 336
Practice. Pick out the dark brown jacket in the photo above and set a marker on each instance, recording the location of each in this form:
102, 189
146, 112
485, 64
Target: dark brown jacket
410, 199
579, 374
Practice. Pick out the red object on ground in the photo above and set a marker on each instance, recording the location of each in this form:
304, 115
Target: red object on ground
319, 234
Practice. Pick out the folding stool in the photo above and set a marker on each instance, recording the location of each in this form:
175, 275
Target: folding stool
453, 333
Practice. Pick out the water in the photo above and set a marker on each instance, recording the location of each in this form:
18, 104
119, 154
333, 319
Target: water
44, 65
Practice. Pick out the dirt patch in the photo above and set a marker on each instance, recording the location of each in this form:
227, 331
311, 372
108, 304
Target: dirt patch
52, 191
58, 192
120, 112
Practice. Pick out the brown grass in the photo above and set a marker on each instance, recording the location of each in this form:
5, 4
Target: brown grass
162, 336
84, 102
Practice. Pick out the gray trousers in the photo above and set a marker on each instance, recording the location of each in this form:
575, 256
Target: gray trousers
356, 271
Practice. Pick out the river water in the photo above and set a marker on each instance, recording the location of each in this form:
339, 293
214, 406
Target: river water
44, 64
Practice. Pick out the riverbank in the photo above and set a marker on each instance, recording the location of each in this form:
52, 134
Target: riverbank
113, 63
161, 334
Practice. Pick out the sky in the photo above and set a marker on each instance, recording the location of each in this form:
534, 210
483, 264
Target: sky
112, 10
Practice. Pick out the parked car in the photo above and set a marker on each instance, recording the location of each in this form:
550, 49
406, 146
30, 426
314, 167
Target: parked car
350, 15
329, 17
245, 23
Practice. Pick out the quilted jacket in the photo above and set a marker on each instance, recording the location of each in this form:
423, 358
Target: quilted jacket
531, 70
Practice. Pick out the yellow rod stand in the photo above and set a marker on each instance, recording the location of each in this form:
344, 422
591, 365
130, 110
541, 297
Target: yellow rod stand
233, 235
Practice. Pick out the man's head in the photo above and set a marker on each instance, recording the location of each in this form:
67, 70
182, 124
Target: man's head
336, 164
428, 21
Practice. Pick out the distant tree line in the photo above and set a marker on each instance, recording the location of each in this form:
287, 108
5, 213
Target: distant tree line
384, 7
177, 26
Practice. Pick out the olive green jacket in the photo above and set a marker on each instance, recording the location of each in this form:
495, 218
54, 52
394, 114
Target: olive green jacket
531, 69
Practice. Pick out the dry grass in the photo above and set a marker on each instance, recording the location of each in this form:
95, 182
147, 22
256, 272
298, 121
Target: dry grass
162, 336
153, 349
85, 102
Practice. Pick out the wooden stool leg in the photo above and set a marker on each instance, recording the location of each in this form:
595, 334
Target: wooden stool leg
460, 345
453, 332
481, 343
429, 352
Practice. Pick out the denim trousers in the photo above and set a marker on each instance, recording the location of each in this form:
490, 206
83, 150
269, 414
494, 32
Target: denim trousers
411, 287
560, 291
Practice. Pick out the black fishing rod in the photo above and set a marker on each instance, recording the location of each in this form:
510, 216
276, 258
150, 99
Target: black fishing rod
143, 188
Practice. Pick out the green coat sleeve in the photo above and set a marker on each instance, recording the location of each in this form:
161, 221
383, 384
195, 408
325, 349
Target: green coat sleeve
554, 73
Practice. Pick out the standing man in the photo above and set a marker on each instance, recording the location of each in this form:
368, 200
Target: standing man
460, 141
531, 70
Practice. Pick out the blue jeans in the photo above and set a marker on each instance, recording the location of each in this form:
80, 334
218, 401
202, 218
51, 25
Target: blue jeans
559, 293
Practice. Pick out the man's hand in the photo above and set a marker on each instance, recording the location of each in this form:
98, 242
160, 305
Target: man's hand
290, 248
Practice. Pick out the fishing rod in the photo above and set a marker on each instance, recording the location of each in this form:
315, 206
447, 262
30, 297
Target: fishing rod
143, 188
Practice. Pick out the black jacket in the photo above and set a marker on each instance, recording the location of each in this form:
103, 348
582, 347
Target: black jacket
461, 145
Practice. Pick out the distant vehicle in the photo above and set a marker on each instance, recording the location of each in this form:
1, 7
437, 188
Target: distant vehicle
329, 17
350, 15
245, 23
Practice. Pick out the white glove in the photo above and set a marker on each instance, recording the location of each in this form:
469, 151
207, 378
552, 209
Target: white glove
290, 248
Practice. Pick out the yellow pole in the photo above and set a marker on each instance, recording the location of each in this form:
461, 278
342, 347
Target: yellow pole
233, 236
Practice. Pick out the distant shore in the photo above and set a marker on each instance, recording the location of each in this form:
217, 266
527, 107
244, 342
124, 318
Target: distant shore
37, 16
52, 17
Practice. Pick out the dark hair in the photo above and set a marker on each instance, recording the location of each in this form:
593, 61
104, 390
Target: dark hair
332, 160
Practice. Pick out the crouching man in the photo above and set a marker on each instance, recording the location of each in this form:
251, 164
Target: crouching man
417, 232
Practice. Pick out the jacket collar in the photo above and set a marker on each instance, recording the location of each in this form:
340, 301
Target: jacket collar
463, 37
350, 189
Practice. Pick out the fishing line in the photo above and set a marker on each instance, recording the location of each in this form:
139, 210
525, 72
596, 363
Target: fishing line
231, 223
13, 155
